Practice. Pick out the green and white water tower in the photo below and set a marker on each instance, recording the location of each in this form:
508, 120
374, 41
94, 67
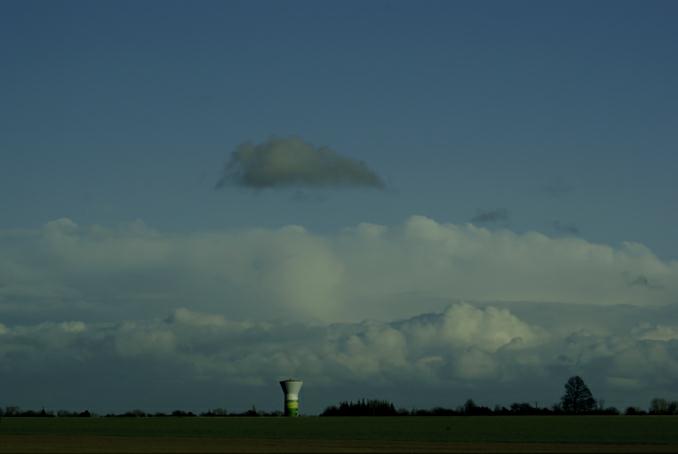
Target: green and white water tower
291, 389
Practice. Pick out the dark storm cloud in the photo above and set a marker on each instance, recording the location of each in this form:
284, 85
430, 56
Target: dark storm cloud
491, 216
281, 162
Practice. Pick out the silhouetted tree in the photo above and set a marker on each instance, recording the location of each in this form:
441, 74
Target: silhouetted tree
577, 397
215, 412
634, 411
660, 406
363, 408
251, 412
472, 409
136, 413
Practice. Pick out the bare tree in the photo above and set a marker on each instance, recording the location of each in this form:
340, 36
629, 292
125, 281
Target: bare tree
577, 397
659, 406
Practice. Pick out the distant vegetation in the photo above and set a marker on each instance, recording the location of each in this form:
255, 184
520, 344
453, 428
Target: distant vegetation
470, 408
364, 408
17, 412
577, 400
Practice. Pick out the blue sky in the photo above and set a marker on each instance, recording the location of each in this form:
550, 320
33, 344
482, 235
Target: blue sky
550, 126
115, 111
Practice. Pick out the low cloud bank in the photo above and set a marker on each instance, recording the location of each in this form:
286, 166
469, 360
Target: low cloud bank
465, 349
64, 271
104, 311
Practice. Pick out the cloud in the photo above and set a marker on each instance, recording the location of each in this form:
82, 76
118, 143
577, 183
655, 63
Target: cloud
640, 281
491, 216
65, 270
284, 162
565, 228
462, 351
557, 188
103, 311
459, 343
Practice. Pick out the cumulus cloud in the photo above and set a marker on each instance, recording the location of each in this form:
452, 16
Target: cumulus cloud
464, 348
370, 305
280, 162
460, 343
91, 272
500, 215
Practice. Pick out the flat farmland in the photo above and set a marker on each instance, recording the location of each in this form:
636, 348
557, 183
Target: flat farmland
339, 434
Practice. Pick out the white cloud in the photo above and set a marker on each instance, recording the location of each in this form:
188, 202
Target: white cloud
367, 305
463, 346
459, 343
660, 333
462, 325
290, 273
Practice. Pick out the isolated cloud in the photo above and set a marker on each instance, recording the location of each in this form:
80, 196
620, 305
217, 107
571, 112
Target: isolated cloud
280, 162
500, 215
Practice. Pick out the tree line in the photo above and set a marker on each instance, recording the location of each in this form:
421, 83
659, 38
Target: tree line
13, 411
576, 400
370, 407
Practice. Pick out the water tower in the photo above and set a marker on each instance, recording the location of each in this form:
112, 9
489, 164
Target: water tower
291, 389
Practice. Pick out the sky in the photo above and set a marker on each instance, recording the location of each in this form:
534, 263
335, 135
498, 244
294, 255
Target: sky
417, 201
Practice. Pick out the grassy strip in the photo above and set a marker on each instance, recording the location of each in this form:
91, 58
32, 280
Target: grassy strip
512, 429
108, 445
103, 445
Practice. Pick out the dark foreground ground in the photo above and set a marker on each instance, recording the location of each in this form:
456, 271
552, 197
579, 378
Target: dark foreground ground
552, 434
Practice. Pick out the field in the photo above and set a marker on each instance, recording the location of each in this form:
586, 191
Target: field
357, 434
